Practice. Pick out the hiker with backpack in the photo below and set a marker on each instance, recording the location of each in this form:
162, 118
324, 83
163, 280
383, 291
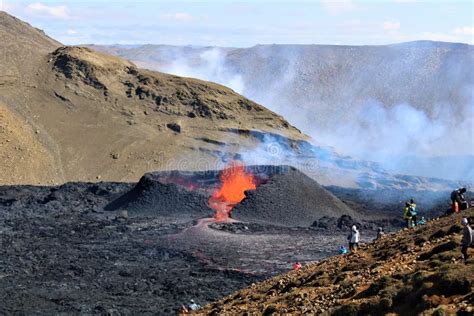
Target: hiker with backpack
458, 201
467, 239
406, 214
413, 213
353, 238
409, 214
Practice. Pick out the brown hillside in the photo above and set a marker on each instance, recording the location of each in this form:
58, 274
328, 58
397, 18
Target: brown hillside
22, 46
21, 151
415, 271
100, 117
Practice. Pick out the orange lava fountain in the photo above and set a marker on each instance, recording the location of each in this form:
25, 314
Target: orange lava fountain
235, 180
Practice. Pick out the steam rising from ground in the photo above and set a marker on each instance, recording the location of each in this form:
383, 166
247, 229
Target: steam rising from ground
210, 67
404, 138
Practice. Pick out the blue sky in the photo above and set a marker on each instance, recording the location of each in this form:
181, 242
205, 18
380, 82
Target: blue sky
247, 23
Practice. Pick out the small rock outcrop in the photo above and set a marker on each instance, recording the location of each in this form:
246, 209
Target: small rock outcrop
175, 127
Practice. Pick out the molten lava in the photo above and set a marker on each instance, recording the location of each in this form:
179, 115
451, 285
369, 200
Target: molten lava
235, 180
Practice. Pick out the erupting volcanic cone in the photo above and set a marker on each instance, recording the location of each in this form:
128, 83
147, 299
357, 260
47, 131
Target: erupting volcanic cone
235, 180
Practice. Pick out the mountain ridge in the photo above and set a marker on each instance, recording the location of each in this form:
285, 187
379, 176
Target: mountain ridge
102, 118
369, 102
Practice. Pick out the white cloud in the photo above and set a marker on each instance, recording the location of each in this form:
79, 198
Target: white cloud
71, 32
466, 30
391, 25
40, 9
178, 17
337, 6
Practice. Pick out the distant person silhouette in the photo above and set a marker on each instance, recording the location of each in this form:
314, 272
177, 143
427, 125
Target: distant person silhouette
458, 201
193, 306
354, 238
342, 250
380, 233
407, 214
413, 213
467, 239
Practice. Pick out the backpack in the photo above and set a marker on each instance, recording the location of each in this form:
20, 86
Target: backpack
453, 195
412, 211
349, 236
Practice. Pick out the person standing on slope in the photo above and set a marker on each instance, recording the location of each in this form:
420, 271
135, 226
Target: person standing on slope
458, 201
380, 233
193, 306
407, 214
467, 239
413, 213
354, 238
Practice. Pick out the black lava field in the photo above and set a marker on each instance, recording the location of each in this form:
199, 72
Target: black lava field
150, 247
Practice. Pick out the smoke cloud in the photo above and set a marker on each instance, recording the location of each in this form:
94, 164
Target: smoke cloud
434, 141
210, 66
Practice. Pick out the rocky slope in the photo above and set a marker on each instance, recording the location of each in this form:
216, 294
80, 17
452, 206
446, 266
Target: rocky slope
20, 151
96, 116
22, 48
414, 271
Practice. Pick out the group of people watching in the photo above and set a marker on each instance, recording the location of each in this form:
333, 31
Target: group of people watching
354, 237
459, 203
410, 215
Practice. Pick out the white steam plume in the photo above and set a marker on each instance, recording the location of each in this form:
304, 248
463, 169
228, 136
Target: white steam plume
402, 137
210, 67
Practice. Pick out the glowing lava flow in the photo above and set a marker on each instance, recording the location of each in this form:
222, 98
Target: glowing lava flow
234, 182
